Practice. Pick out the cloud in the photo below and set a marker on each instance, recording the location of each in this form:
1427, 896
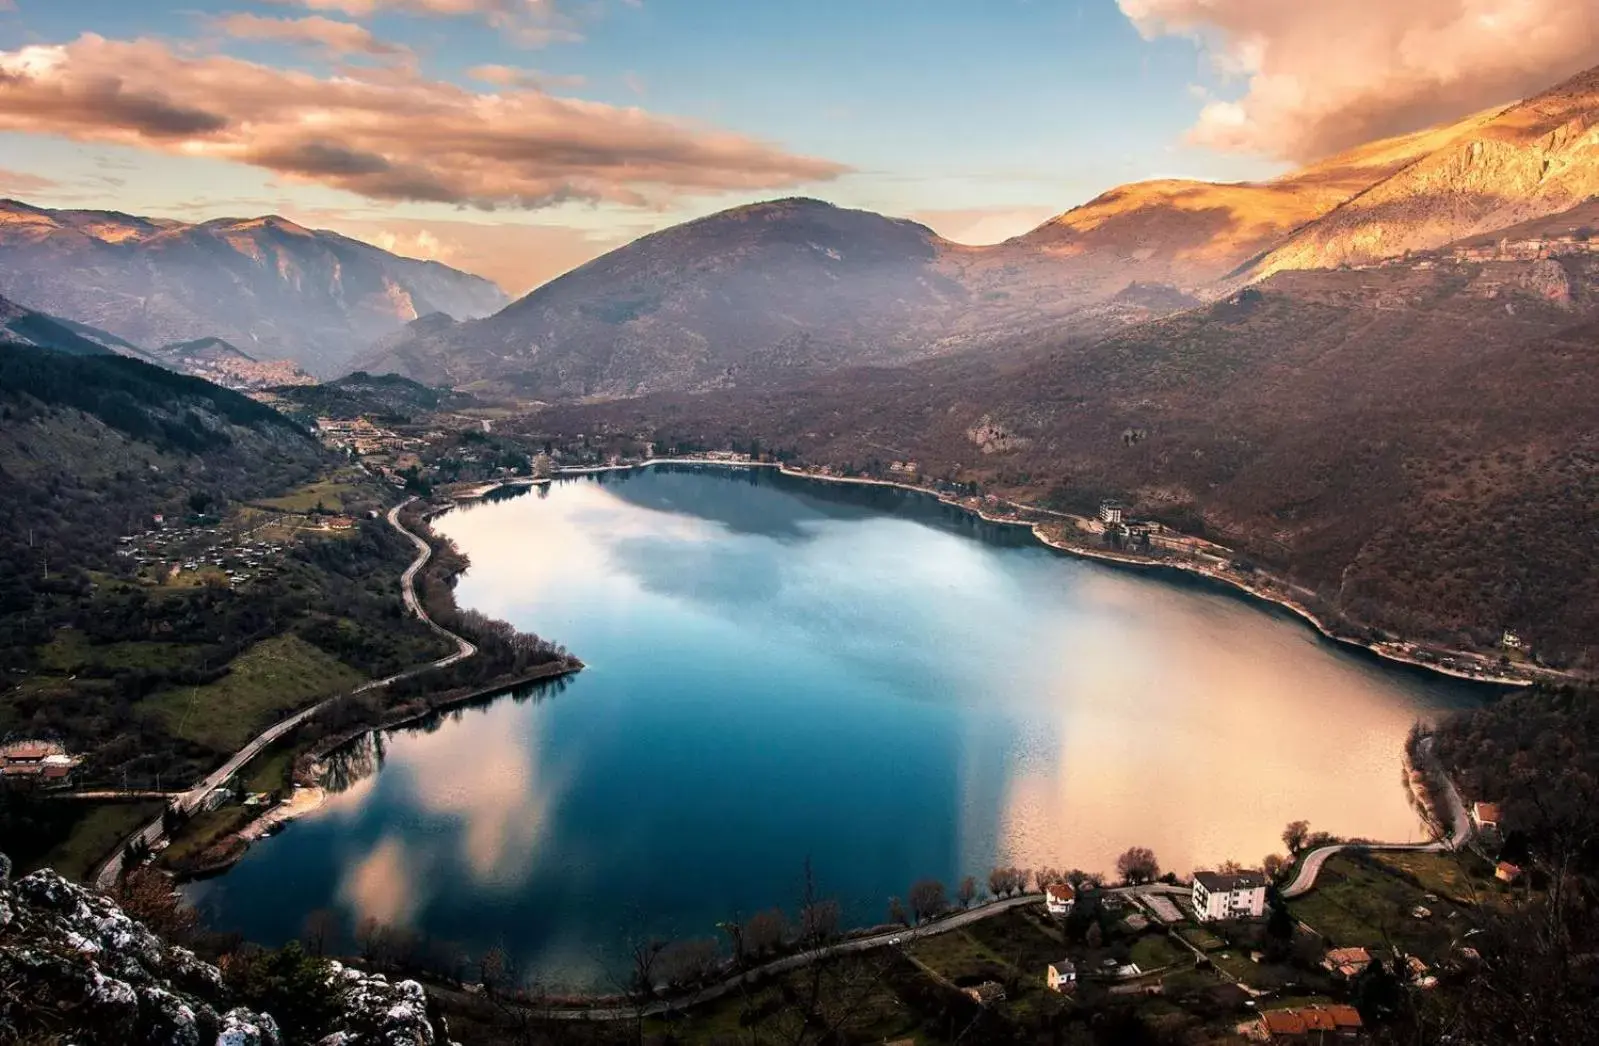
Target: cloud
515, 76
21, 181
383, 133
1322, 77
330, 35
530, 22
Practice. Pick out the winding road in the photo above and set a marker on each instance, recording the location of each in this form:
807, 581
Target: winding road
789, 963
1460, 832
108, 873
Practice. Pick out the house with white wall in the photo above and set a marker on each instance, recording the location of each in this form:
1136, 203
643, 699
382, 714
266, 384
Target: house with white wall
1238, 895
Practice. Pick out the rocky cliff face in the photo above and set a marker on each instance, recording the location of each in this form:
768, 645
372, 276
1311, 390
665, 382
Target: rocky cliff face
1535, 158
75, 968
272, 288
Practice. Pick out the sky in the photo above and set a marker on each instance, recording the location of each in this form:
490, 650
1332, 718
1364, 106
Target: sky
519, 138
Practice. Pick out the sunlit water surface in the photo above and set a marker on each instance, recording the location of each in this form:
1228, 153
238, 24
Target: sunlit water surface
781, 670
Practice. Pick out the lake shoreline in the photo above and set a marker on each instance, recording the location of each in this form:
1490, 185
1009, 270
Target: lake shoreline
1124, 560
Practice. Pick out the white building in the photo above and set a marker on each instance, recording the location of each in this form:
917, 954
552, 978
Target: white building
1238, 896
1112, 513
1059, 898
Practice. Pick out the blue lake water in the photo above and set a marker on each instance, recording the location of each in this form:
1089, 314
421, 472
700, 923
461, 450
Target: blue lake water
782, 670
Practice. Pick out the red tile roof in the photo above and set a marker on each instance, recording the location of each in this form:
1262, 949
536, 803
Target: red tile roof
1283, 1022
1060, 891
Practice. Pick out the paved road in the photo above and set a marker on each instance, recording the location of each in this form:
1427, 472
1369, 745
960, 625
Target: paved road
1460, 834
187, 802
789, 963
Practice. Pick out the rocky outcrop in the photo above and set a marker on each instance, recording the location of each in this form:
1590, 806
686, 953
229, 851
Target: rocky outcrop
74, 965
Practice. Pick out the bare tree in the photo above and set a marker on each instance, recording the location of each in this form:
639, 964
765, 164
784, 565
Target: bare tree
968, 891
999, 881
1076, 878
1230, 868
765, 931
1042, 877
1273, 865
148, 896
321, 931
1138, 865
1295, 834
643, 956
928, 899
896, 912
684, 963
819, 922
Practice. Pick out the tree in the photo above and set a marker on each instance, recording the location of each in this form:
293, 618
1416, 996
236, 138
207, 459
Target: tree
819, 922
1076, 878
1230, 868
896, 912
148, 896
928, 899
683, 963
998, 881
642, 956
1042, 877
765, 931
1273, 865
321, 931
1280, 924
1138, 865
1095, 936
1294, 835
968, 891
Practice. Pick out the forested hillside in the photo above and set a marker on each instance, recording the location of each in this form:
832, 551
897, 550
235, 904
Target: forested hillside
161, 665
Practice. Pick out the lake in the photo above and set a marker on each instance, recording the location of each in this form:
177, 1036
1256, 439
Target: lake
782, 670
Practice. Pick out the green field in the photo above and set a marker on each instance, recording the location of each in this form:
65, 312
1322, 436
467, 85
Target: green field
1463, 878
274, 676
1200, 937
86, 833
201, 831
1356, 903
270, 770
1154, 951
69, 651
332, 494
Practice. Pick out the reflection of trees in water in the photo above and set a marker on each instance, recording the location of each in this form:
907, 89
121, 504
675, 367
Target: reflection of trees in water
363, 756
354, 762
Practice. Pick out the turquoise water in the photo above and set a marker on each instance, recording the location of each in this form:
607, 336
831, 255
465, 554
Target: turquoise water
781, 670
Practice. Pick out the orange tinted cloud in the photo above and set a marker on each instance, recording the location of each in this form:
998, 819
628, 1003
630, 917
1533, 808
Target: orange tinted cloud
385, 133
513, 76
1323, 77
532, 22
335, 37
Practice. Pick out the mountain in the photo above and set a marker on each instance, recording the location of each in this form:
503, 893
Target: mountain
1189, 234
772, 293
1416, 442
1535, 158
273, 288
787, 286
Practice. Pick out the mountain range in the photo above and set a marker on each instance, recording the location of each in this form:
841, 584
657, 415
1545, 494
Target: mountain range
272, 288
765, 294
